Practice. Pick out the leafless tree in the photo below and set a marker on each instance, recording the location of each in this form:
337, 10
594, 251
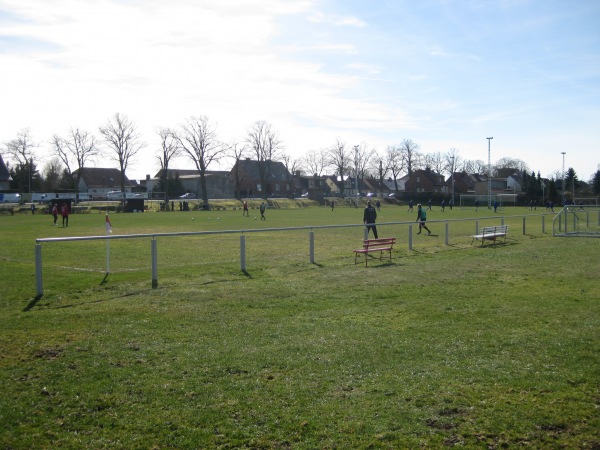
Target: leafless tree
169, 149
315, 162
237, 152
292, 166
74, 152
360, 161
435, 161
121, 136
198, 139
264, 143
511, 163
340, 159
410, 155
395, 162
452, 160
20, 150
380, 169
476, 166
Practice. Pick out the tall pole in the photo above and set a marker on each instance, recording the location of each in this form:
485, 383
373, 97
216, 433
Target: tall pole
489, 173
452, 181
563, 177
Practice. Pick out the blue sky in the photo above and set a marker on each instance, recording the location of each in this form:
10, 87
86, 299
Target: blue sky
445, 74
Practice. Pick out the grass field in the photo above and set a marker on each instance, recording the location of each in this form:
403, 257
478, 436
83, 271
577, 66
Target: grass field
449, 345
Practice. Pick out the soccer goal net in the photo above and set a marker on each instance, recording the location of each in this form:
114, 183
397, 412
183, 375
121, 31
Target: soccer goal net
577, 220
474, 201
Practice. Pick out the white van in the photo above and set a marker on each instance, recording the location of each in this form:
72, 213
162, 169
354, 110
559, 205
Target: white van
114, 195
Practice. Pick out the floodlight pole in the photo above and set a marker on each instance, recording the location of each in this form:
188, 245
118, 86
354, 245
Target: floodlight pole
452, 174
489, 173
563, 177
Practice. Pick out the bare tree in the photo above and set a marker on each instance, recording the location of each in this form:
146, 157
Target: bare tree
21, 151
292, 166
237, 152
395, 162
511, 163
452, 160
198, 139
315, 162
74, 151
476, 166
380, 168
265, 145
410, 155
122, 137
169, 149
435, 161
360, 160
339, 158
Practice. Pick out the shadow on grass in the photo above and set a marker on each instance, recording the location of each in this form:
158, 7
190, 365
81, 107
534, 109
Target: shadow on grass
32, 303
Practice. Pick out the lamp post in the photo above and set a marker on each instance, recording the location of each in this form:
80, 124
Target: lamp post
489, 174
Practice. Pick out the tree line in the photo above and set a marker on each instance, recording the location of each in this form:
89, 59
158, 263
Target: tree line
196, 139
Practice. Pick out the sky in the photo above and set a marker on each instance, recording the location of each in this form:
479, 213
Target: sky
444, 74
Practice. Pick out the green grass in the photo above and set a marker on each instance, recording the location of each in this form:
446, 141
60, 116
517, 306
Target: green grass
447, 345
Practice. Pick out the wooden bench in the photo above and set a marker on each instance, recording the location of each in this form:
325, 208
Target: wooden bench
375, 245
491, 234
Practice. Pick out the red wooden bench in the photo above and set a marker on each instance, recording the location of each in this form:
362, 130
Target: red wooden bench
380, 245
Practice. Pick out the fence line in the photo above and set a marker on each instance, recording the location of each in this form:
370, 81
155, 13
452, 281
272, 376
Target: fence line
242, 233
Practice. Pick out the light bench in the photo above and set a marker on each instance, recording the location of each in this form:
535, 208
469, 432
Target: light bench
380, 245
491, 234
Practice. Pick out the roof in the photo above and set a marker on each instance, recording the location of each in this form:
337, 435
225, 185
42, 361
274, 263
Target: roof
100, 177
277, 170
4, 173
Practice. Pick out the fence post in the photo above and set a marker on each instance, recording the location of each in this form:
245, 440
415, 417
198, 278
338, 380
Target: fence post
243, 253
543, 223
154, 264
502, 221
446, 232
311, 239
410, 236
477, 227
38, 270
523, 225
366, 233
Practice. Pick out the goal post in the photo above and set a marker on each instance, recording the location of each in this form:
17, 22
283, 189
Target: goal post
473, 201
577, 220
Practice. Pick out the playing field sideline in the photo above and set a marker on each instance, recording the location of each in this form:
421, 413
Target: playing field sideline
448, 345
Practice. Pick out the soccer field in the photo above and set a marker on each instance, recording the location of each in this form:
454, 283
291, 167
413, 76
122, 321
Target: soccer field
450, 344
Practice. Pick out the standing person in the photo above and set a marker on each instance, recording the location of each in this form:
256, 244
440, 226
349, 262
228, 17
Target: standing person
64, 212
443, 205
378, 204
495, 205
476, 204
410, 206
421, 218
55, 213
246, 212
369, 217
262, 211
33, 209
429, 205
332, 204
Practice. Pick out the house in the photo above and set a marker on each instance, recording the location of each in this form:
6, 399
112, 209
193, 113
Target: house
252, 174
5, 177
424, 181
313, 186
464, 183
218, 184
98, 182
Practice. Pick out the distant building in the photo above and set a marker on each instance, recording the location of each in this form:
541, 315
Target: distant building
5, 177
98, 182
277, 179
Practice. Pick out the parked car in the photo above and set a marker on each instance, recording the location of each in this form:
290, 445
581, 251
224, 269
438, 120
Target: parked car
188, 195
305, 195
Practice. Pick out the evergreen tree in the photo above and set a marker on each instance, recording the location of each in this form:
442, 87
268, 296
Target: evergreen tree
596, 183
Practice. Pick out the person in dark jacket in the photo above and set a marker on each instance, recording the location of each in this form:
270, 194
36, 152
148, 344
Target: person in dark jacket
369, 217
